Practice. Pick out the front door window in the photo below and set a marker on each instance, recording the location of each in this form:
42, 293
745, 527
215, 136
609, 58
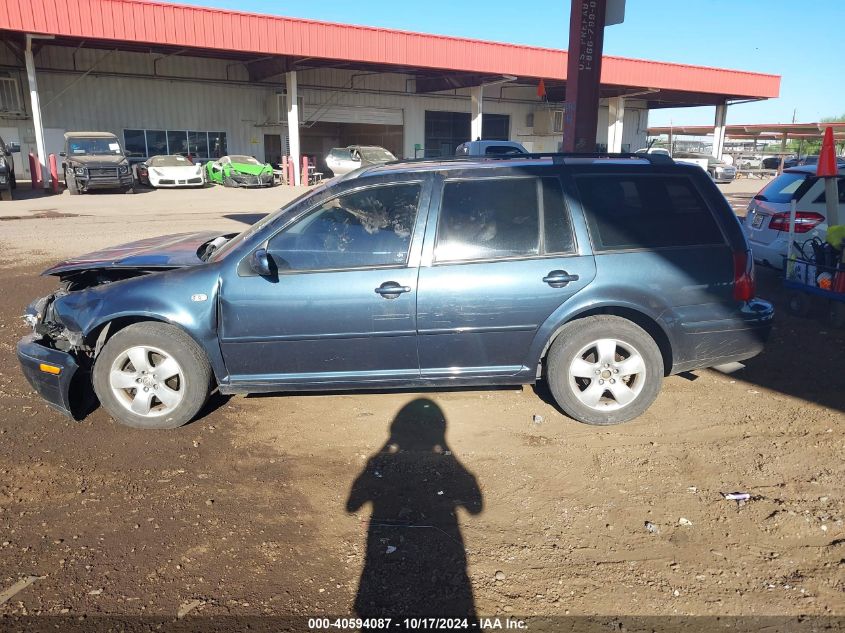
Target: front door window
363, 229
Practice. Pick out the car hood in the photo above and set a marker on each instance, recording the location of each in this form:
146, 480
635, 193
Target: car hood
169, 251
176, 171
252, 170
97, 160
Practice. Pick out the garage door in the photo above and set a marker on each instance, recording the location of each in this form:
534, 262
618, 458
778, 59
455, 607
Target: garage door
350, 114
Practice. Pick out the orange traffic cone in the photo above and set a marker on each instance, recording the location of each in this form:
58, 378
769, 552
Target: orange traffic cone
827, 156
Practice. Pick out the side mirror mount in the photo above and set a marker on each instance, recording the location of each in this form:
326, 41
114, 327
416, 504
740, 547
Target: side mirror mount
259, 261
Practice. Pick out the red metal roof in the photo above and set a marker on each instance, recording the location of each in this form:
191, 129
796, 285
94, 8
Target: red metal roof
763, 130
155, 23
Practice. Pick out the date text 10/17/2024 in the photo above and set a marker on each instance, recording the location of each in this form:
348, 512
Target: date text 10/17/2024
421, 624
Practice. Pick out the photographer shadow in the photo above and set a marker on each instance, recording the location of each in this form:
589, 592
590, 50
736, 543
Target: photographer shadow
416, 564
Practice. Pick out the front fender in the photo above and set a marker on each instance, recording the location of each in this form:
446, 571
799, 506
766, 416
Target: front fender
610, 297
173, 297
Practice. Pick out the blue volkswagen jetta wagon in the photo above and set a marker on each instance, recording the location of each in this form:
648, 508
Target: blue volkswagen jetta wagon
598, 274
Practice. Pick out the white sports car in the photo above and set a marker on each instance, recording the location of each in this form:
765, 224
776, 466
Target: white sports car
170, 171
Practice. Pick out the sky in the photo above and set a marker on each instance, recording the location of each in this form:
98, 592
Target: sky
799, 40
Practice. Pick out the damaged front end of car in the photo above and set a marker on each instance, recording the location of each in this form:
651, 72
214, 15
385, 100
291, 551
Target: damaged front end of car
56, 358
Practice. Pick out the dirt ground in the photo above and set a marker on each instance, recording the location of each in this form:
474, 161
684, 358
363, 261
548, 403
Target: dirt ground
286, 505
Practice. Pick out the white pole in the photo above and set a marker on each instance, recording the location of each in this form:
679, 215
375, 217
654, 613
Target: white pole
615, 120
36, 114
477, 95
293, 124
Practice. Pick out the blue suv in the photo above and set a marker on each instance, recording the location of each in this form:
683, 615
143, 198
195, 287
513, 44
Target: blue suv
598, 274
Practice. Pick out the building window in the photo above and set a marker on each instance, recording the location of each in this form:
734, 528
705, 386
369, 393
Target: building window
156, 143
10, 96
444, 131
198, 144
135, 143
217, 144
177, 142
146, 143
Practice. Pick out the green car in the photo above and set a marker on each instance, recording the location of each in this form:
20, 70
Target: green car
239, 171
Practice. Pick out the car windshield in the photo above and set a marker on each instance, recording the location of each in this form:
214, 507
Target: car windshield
170, 161
93, 146
782, 188
237, 239
376, 155
248, 160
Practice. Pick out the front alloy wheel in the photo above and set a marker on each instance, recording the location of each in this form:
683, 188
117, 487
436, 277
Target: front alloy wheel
147, 381
152, 375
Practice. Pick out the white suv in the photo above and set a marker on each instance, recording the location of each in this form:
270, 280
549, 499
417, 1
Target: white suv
767, 221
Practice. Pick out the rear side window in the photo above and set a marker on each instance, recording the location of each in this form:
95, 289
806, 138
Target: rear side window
782, 188
629, 212
822, 198
496, 218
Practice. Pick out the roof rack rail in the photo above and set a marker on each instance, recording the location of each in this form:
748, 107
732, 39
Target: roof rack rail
557, 157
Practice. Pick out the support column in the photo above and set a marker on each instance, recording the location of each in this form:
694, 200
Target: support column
719, 130
36, 113
477, 93
615, 117
293, 124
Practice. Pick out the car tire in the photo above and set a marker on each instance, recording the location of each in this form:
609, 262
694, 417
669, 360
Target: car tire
6, 195
610, 345
798, 304
129, 190
13, 181
71, 184
228, 182
154, 346
836, 314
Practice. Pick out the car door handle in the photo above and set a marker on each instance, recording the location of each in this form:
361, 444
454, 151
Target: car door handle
559, 278
391, 290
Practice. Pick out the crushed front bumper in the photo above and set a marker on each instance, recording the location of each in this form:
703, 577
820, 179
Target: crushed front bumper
49, 371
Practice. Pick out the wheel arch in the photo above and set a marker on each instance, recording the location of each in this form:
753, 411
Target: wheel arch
648, 323
99, 334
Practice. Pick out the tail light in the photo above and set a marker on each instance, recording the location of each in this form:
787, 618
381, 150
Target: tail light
744, 286
804, 221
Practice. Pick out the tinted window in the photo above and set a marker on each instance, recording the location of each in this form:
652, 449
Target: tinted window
217, 144
501, 150
626, 212
134, 142
198, 144
365, 228
156, 142
177, 142
782, 188
557, 230
486, 219
821, 198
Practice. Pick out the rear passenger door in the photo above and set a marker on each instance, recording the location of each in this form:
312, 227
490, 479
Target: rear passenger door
500, 256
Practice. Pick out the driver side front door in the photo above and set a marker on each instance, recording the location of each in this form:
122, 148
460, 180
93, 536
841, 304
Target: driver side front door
342, 306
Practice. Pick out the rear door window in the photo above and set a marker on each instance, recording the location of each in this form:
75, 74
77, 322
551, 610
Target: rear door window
643, 211
500, 218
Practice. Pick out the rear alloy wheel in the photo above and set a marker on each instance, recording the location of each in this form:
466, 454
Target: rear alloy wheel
229, 182
152, 376
604, 370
